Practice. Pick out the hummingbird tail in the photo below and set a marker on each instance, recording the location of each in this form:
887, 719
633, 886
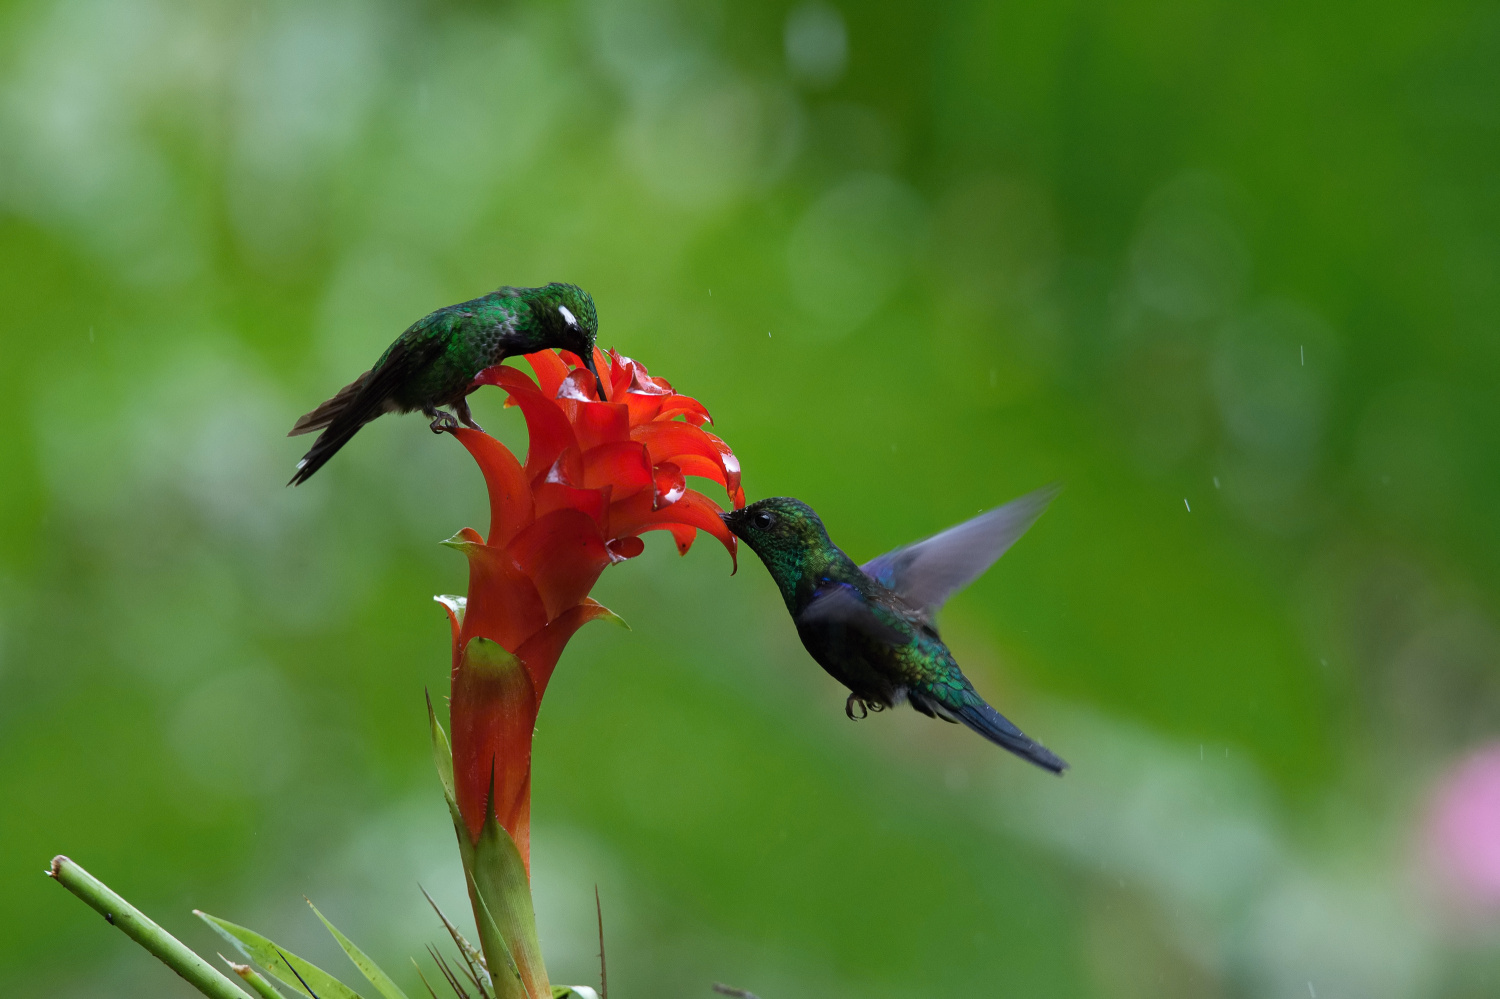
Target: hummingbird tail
325, 447
994, 726
326, 413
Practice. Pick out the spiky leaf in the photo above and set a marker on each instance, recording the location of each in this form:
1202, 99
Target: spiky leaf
367, 967
269, 956
504, 975
442, 757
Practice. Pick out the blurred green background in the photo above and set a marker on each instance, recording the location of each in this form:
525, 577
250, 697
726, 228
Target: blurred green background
1228, 271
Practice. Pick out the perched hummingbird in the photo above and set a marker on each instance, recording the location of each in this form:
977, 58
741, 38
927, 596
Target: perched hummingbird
871, 626
434, 362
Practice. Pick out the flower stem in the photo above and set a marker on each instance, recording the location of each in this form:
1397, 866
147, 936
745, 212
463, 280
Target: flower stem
134, 923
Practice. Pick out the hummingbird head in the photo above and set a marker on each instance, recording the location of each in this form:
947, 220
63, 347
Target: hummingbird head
566, 319
784, 532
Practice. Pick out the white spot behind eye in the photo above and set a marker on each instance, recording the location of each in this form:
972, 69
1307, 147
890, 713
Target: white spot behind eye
568, 315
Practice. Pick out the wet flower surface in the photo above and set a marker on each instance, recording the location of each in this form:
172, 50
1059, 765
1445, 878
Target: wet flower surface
598, 474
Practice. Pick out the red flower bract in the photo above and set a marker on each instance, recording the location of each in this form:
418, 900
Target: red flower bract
598, 474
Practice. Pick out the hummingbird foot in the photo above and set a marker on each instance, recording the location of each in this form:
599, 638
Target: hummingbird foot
462, 409
442, 420
866, 707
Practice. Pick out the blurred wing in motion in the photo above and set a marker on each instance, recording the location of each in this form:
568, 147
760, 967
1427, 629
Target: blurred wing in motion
926, 573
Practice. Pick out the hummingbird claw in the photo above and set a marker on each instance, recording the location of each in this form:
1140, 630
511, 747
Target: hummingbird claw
443, 421
864, 708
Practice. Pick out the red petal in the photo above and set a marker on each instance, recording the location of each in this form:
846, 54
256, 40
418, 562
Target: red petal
554, 496
616, 375
550, 371
643, 408
624, 465
624, 548
493, 715
542, 650
563, 553
546, 425
504, 605
450, 607
510, 498
670, 440
643, 383
684, 537
635, 516
579, 385
684, 405
567, 469
670, 485
489, 376
598, 423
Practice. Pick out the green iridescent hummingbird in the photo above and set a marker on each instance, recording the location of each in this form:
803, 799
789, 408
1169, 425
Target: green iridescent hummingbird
872, 626
434, 362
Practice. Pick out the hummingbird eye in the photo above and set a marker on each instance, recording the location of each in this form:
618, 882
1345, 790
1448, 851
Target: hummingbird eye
764, 520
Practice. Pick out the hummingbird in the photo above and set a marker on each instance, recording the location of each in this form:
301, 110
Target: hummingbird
434, 362
872, 627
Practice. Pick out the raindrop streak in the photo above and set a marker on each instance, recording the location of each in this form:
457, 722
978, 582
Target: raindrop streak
1311, 991
91, 334
768, 334
1216, 482
1302, 353
1185, 503
993, 374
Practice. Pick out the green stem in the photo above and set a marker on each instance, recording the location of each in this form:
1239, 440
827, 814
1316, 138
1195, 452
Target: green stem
135, 925
254, 979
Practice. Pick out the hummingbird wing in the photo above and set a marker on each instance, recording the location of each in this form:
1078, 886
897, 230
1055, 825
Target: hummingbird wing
926, 573
840, 605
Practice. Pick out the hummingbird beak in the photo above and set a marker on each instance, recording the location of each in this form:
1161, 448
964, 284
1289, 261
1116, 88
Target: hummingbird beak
588, 362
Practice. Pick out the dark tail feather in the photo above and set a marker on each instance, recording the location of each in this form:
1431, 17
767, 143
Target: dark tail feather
330, 410
340, 418
325, 447
994, 726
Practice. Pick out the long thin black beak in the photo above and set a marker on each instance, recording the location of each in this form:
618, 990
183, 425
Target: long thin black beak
588, 362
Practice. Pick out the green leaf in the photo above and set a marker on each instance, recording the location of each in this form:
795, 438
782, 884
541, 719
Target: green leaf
504, 976
499, 876
367, 967
269, 956
442, 758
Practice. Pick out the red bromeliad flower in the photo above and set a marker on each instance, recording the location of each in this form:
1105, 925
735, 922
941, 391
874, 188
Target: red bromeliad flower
597, 475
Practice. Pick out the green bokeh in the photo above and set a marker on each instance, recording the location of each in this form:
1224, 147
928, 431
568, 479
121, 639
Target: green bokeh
1226, 271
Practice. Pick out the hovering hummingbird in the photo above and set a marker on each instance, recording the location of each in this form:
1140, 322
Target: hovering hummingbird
871, 626
434, 362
